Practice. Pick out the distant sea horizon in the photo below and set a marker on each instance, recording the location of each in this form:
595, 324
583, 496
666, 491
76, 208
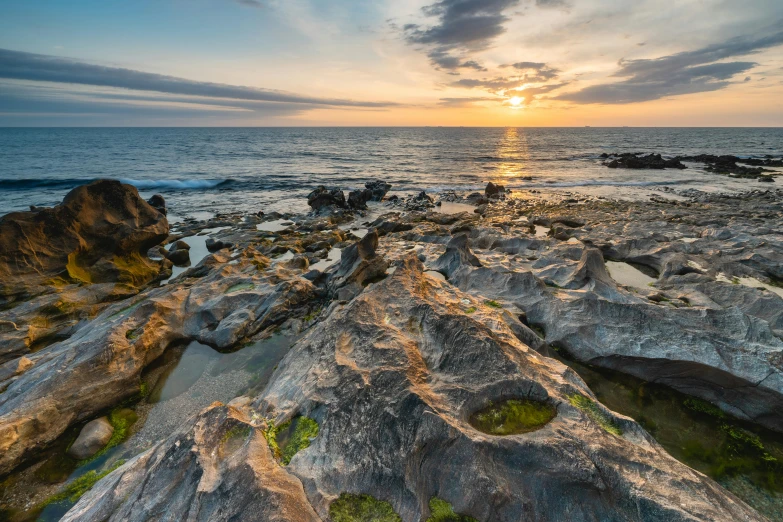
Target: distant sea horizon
206, 170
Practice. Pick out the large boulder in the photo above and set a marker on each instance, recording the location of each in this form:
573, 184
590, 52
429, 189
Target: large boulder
357, 199
99, 233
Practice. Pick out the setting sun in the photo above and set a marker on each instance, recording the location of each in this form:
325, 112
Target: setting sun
516, 101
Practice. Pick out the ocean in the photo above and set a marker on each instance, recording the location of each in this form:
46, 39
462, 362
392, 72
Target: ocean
203, 171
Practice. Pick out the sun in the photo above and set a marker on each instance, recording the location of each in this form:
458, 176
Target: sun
516, 101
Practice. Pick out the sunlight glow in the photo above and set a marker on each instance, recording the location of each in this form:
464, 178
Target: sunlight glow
516, 101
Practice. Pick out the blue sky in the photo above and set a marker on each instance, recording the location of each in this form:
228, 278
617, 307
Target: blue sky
406, 62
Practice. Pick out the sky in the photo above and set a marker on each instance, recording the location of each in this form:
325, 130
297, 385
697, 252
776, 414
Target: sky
391, 62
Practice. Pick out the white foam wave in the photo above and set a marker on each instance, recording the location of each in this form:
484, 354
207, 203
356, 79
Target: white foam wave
189, 184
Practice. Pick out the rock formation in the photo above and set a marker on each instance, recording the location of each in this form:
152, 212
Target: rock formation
99, 233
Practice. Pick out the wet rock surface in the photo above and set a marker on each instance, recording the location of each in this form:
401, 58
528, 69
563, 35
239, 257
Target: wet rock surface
416, 323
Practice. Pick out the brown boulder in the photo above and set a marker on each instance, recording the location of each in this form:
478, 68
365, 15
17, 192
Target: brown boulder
99, 233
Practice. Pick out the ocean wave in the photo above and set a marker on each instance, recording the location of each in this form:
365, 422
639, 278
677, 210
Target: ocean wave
31, 183
142, 184
178, 184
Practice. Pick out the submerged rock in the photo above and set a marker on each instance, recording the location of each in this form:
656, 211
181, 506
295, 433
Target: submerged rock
99, 233
93, 438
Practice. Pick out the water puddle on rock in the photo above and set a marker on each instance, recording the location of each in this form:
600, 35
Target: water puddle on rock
332, 258
454, 208
750, 282
183, 381
513, 416
198, 250
541, 231
435, 274
278, 225
746, 459
628, 275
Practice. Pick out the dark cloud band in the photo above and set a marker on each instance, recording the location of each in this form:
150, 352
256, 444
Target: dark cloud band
37, 67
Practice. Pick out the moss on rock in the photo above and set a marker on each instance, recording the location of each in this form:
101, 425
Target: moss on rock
362, 508
513, 416
442, 511
595, 413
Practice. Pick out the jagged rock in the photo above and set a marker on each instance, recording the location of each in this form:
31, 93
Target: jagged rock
591, 269
93, 437
629, 160
392, 379
378, 188
457, 254
99, 233
158, 203
357, 199
217, 468
359, 265
322, 197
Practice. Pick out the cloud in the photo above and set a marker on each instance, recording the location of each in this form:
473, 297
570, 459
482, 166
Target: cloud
555, 4
37, 67
465, 102
443, 60
683, 73
535, 71
532, 93
462, 26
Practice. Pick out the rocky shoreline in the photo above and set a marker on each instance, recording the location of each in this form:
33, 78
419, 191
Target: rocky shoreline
409, 315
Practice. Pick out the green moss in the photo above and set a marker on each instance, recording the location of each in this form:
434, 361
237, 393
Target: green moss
362, 508
513, 416
595, 413
742, 437
441, 511
240, 287
144, 390
470, 310
80, 486
291, 437
493, 304
121, 420
132, 335
312, 315
705, 407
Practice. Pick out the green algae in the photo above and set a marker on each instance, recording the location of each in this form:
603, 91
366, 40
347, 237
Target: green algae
470, 310
362, 508
493, 304
240, 287
442, 511
595, 413
81, 485
291, 437
745, 458
513, 416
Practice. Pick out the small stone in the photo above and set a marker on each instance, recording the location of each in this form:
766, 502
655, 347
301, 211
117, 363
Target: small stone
93, 438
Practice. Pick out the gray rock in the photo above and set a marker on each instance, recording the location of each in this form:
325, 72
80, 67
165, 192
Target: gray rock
457, 254
93, 438
180, 257
322, 197
378, 189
